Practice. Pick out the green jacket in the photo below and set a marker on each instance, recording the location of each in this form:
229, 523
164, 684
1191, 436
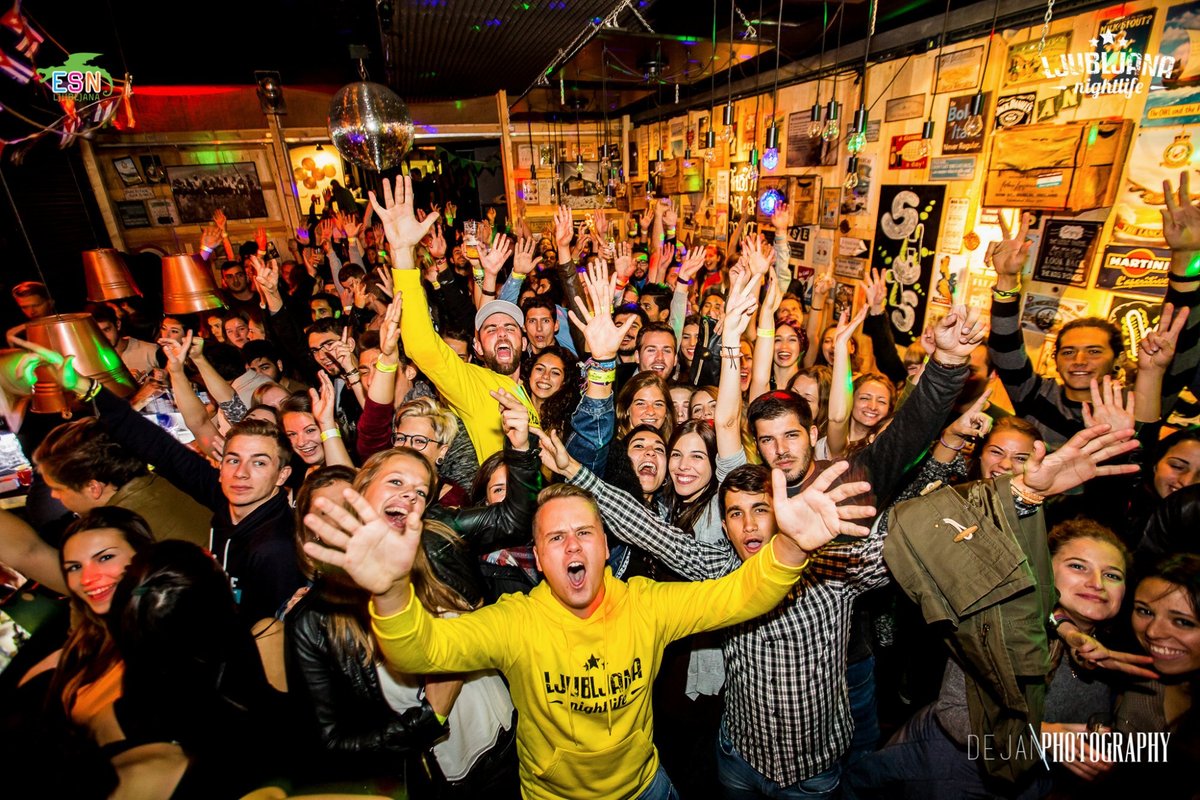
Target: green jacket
992, 594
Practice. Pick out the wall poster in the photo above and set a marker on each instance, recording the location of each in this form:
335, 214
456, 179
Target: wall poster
958, 71
906, 232
1139, 270
1015, 109
1024, 62
964, 130
1135, 316
1175, 99
1157, 154
907, 152
1046, 314
1067, 250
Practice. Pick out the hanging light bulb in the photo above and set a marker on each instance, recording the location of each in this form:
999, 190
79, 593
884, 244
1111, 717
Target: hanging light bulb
923, 146
579, 162
770, 158
659, 156
710, 139
815, 127
851, 173
754, 156
832, 129
857, 136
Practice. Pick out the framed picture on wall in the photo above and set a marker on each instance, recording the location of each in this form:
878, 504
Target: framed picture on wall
200, 189
127, 170
152, 168
132, 214
958, 71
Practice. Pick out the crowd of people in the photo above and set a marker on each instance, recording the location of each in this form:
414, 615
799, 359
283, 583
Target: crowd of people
593, 512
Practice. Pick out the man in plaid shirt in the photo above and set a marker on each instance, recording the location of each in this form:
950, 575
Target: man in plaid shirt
787, 712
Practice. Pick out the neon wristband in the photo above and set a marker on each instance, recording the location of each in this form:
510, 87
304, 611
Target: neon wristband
517, 277
92, 391
602, 376
332, 433
602, 364
206, 251
380, 366
766, 333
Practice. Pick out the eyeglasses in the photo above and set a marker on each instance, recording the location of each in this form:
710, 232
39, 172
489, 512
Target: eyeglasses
323, 348
415, 441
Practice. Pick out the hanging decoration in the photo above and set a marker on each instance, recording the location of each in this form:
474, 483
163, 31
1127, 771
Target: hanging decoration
370, 125
87, 94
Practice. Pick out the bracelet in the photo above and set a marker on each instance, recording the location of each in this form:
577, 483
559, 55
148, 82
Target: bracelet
380, 366
1058, 617
332, 433
1003, 294
670, 232
942, 442
487, 293
206, 251
604, 363
517, 277
1027, 496
731, 352
92, 391
818, 310
766, 333
601, 376
224, 234
435, 284
354, 374
351, 240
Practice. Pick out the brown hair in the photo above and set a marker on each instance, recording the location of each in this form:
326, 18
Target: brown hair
78, 452
1084, 528
625, 400
89, 651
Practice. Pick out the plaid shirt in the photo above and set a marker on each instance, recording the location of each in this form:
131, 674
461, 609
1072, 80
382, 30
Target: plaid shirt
786, 702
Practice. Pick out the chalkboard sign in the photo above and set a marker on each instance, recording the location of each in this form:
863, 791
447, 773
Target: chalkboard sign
1066, 255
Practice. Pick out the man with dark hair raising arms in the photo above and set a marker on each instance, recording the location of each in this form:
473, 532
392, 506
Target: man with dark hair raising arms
581, 650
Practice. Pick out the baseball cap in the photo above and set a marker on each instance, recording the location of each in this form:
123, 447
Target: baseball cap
499, 307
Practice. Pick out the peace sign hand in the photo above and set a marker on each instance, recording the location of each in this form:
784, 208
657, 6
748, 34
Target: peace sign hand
374, 554
1157, 349
1181, 217
1008, 255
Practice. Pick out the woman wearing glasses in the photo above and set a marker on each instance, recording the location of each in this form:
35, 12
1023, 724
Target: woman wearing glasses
430, 428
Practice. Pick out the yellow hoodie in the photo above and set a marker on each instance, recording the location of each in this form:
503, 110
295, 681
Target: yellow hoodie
582, 686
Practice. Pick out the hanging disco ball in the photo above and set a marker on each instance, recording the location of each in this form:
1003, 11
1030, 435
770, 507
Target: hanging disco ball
768, 201
370, 125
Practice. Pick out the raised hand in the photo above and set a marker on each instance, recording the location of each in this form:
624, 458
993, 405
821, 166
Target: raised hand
385, 280
451, 213
176, 352
312, 260
691, 265
260, 238
323, 402
514, 419
1157, 349
374, 554
350, 224
218, 219
603, 337
1181, 217
266, 275
957, 334
389, 329
493, 260
437, 242
343, 353
816, 516
822, 285
523, 260
666, 255
1107, 408
875, 288
759, 255
670, 216
1078, 460
400, 224
325, 229
62, 368
647, 216
781, 218
491, 215
210, 237
599, 223
554, 454
846, 326
623, 264
564, 230
1008, 255
740, 306
973, 424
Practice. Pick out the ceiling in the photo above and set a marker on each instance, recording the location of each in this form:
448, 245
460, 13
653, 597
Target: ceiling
439, 49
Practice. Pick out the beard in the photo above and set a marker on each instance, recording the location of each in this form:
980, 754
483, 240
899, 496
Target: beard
491, 362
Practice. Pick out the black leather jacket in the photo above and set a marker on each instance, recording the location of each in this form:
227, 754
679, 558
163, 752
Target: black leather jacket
352, 729
486, 528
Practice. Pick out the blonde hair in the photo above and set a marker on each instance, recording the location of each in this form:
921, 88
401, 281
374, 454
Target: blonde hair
445, 424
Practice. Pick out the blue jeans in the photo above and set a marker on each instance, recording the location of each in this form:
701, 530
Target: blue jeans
660, 788
860, 682
740, 781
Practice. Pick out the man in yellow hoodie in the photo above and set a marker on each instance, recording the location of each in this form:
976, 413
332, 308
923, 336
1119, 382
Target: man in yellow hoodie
581, 650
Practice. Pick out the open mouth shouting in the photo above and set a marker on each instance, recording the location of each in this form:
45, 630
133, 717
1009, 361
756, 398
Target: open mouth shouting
576, 574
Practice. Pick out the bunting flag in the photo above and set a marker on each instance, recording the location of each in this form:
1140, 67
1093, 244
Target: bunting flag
15, 67
29, 40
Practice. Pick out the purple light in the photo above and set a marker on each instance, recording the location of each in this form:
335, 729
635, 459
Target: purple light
768, 201
770, 158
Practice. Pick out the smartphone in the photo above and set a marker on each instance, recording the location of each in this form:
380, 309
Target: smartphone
272, 251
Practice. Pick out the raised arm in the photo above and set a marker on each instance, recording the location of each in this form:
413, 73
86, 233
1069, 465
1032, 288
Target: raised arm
878, 330
195, 415
323, 402
1181, 229
822, 287
739, 310
1006, 345
764, 342
841, 392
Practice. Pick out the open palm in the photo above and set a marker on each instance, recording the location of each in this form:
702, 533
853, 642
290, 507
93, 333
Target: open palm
1079, 460
400, 224
372, 552
815, 517
1181, 218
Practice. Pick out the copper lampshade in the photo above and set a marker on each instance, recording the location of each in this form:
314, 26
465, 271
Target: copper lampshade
76, 335
107, 276
188, 285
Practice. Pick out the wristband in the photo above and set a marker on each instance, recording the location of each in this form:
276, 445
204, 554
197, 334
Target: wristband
351, 240
1027, 496
380, 366
517, 277
205, 251
766, 333
670, 232
487, 293
942, 442
818, 310
332, 433
435, 284
1058, 617
601, 376
602, 364
621, 284
354, 375
1001, 294
224, 234
92, 391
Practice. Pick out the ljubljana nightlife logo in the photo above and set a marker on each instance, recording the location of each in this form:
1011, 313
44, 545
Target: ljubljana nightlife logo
1115, 65
79, 78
